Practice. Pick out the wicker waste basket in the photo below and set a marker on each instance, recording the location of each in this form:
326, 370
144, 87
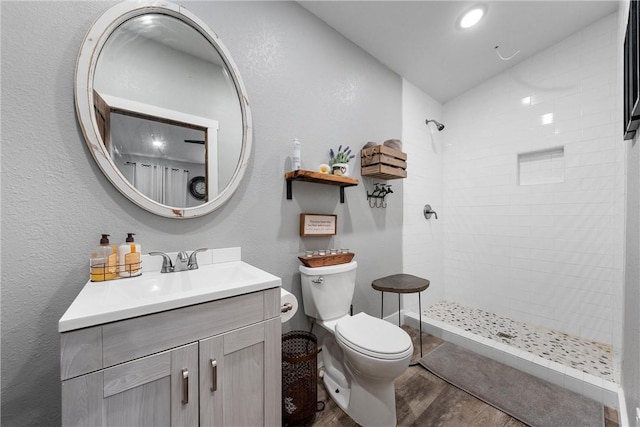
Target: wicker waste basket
299, 378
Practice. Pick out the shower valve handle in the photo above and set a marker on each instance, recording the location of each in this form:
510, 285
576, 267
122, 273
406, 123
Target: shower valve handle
427, 212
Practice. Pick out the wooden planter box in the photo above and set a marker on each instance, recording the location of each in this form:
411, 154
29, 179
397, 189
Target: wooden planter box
383, 162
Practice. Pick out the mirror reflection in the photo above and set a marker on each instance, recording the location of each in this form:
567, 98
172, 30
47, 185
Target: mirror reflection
168, 111
159, 159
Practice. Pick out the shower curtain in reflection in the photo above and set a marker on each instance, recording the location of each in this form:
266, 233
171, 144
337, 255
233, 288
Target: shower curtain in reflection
175, 187
165, 185
148, 180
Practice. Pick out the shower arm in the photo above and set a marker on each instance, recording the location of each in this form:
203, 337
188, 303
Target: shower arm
439, 125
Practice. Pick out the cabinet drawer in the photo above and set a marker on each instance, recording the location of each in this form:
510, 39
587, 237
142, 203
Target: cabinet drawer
140, 336
80, 352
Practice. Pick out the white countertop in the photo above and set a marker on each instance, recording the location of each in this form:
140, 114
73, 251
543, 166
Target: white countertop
221, 275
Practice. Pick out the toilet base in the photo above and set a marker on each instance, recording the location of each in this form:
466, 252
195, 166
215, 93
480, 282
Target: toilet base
338, 394
372, 405
368, 401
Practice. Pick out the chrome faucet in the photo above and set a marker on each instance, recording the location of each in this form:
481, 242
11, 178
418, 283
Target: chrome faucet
193, 260
183, 261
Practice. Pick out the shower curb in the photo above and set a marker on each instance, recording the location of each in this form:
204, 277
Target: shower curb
572, 379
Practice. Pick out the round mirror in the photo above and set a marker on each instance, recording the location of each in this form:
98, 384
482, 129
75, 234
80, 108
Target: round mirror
163, 109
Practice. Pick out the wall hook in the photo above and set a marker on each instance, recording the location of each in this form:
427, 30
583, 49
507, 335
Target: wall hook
427, 212
377, 197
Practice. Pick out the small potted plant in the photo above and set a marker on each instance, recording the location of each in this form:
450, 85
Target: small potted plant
339, 160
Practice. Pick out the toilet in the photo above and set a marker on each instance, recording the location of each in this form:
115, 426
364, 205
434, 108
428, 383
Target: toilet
362, 354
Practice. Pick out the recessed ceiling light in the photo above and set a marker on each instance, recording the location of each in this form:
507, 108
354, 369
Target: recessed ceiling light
472, 17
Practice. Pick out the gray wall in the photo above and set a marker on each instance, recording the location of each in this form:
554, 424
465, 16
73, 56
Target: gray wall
303, 80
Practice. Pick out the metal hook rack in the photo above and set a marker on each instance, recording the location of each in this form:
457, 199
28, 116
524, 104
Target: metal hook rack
377, 197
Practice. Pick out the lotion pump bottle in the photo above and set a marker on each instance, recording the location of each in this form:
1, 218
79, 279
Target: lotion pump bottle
103, 261
295, 155
129, 258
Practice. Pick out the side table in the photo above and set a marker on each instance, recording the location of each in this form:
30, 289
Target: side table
402, 284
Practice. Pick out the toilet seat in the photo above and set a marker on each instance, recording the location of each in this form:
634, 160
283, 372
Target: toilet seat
373, 337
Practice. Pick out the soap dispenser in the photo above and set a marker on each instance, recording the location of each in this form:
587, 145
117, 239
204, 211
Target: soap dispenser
129, 258
103, 261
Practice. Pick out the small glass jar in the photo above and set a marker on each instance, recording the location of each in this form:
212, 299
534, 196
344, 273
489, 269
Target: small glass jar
322, 252
333, 251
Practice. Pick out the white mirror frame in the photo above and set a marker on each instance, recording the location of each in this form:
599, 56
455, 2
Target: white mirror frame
84, 97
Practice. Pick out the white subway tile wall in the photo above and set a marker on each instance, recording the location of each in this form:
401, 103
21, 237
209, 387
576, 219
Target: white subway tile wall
548, 253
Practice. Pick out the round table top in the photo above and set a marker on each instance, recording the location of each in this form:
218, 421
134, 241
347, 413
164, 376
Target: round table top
400, 283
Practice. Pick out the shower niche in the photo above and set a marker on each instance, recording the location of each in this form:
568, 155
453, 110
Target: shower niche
541, 167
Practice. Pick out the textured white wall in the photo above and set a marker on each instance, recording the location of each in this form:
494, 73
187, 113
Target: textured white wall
422, 240
303, 80
549, 254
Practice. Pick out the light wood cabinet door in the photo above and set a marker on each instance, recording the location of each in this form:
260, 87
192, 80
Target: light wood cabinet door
240, 377
157, 390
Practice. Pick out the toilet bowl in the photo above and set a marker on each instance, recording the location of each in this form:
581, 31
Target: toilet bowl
375, 348
362, 355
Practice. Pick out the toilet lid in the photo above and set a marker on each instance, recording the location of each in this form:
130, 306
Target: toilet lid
373, 337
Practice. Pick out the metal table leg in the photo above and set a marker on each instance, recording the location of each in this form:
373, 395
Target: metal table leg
382, 305
399, 325
420, 320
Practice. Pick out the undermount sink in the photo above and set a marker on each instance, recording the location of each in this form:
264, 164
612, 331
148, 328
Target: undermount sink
221, 275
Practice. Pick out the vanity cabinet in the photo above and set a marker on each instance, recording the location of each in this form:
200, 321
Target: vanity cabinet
217, 363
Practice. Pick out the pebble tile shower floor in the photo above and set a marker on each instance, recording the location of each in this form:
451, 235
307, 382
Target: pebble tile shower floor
588, 356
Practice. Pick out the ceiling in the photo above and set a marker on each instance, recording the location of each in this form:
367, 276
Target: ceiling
133, 135
420, 40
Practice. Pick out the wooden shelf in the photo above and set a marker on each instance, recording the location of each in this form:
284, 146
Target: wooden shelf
319, 178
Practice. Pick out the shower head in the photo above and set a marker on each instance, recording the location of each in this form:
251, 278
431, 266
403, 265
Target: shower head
439, 125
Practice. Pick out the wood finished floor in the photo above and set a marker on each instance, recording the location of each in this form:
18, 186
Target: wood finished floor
422, 399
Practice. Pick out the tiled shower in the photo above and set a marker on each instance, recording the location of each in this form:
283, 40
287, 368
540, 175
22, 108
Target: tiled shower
528, 182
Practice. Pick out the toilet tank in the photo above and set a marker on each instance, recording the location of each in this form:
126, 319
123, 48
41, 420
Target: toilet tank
327, 291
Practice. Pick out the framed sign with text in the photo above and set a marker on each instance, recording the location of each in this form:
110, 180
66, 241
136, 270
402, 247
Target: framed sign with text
318, 224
